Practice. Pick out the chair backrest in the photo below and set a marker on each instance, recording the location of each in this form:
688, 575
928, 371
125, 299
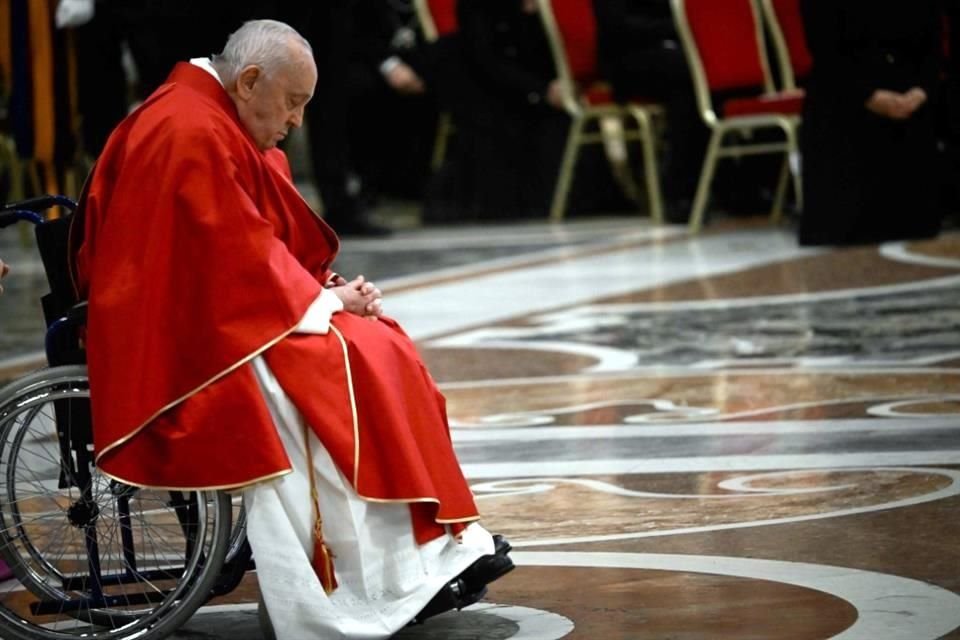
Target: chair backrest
789, 40
723, 40
437, 17
571, 28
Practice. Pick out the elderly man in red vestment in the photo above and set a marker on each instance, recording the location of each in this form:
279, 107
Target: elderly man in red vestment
225, 353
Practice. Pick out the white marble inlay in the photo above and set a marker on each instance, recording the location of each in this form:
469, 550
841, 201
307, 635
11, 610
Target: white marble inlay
654, 373
743, 487
607, 358
770, 342
785, 299
689, 464
866, 426
449, 307
889, 607
532, 624
541, 485
900, 252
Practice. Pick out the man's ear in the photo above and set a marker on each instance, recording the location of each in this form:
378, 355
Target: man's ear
246, 81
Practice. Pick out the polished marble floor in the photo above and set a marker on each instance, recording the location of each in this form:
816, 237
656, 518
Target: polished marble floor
722, 436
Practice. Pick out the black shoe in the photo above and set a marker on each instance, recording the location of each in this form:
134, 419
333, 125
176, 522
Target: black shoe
453, 595
471, 585
485, 570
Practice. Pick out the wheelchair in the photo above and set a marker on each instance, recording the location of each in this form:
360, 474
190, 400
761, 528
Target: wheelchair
91, 556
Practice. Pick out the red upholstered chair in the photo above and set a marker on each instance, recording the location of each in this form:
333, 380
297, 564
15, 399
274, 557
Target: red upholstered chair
572, 31
438, 18
789, 41
723, 41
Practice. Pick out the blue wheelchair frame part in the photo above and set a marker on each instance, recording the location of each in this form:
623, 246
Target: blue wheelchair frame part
18, 215
30, 211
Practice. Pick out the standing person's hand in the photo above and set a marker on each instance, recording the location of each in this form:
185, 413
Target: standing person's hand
74, 13
555, 94
403, 79
895, 106
916, 97
4, 270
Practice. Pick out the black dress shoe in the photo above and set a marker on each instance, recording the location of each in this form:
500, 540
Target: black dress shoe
471, 585
453, 595
485, 570
501, 546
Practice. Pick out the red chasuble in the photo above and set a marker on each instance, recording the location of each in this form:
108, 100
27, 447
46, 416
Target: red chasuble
197, 255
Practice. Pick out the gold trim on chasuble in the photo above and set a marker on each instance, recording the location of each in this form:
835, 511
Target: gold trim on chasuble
192, 393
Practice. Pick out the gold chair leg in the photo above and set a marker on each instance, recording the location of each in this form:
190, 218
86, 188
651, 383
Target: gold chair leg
788, 171
562, 189
444, 128
648, 144
706, 177
70, 183
618, 158
795, 167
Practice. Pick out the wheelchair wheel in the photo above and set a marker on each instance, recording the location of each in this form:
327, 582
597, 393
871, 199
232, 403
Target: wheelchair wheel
93, 557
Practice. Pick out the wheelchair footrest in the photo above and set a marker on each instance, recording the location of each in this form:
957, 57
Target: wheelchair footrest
47, 607
84, 583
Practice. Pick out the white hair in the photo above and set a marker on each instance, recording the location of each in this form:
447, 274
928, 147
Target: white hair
264, 43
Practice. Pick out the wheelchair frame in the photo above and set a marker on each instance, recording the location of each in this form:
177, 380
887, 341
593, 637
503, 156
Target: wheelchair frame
93, 557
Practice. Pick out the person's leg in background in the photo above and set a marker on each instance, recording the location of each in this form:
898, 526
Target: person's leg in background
328, 26
660, 73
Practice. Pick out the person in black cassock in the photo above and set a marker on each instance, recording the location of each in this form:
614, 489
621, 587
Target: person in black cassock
497, 79
392, 110
359, 59
158, 33
868, 143
640, 55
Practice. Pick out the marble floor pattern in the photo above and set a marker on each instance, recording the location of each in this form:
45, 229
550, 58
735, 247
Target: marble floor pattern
685, 438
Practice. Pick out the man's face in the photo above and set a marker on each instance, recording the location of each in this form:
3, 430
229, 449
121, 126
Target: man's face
270, 104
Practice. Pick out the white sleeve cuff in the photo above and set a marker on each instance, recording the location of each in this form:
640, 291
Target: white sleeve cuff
389, 65
317, 317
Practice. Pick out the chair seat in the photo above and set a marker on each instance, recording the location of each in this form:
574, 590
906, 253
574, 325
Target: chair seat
784, 102
600, 94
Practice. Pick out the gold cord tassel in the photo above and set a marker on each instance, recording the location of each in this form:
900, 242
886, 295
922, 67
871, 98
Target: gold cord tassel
323, 560
322, 556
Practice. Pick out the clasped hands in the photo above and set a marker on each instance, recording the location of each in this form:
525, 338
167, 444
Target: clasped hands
359, 297
895, 105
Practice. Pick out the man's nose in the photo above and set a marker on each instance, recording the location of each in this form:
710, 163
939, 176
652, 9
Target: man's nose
296, 117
